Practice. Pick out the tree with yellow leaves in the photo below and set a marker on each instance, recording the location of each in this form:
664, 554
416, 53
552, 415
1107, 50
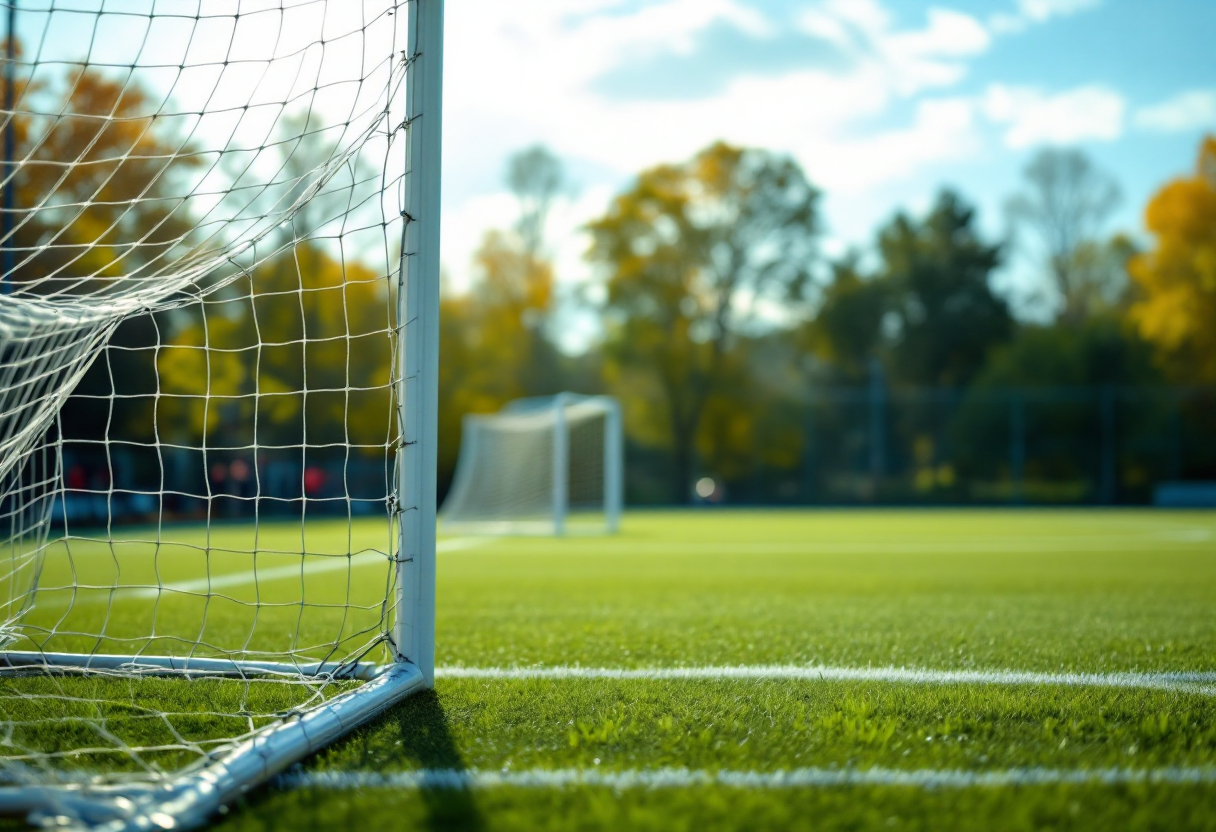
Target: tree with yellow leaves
90, 182
494, 339
317, 370
698, 257
94, 190
1177, 276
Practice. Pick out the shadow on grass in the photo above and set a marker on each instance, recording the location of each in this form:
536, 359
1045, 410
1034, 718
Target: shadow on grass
426, 738
415, 732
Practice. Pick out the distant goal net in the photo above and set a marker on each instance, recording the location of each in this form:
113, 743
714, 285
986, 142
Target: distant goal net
218, 334
539, 466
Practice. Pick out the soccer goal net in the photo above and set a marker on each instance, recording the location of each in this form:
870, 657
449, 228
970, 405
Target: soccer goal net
539, 466
218, 329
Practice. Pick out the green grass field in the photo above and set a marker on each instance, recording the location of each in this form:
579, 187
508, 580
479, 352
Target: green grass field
735, 744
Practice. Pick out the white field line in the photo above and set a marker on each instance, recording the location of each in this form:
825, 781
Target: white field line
679, 778
314, 566
946, 546
1195, 682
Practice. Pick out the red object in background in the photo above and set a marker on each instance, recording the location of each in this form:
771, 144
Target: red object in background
77, 478
239, 470
219, 471
314, 480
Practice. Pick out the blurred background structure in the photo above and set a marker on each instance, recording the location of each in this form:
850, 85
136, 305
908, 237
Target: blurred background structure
867, 259
754, 370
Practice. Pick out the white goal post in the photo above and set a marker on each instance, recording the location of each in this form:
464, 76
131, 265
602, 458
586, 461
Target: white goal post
550, 465
218, 394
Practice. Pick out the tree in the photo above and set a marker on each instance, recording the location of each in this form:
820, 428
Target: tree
943, 317
1177, 276
1066, 202
697, 255
535, 176
847, 329
494, 338
1019, 377
113, 209
315, 371
108, 213
329, 390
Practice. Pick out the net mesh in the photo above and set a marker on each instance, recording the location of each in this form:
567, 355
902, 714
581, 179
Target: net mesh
201, 238
508, 479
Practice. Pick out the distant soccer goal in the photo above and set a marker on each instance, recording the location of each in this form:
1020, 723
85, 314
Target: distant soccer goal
218, 382
539, 466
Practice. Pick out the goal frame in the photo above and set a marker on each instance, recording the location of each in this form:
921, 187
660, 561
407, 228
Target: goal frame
613, 470
190, 798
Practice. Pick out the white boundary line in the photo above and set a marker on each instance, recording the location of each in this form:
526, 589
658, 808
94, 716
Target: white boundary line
314, 566
678, 778
1196, 682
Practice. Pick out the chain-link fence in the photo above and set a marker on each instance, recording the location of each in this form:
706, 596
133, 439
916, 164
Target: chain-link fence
1034, 445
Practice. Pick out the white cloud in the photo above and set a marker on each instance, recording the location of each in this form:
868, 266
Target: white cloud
913, 59
1192, 110
1090, 113
1030, 12
519, 73
465, 224
1041, 10
941, 130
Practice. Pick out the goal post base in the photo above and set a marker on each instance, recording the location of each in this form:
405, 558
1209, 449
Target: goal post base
188, 666
189, 799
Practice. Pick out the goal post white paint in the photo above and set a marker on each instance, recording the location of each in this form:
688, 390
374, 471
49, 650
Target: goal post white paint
561, 464
418, 382
614, 465
546, 466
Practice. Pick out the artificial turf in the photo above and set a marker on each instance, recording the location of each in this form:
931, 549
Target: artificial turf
1087, 591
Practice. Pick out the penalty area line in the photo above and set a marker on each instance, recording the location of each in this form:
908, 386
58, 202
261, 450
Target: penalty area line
679, 778
1195, 682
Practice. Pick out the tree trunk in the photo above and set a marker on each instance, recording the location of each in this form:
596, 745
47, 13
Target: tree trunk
682, 451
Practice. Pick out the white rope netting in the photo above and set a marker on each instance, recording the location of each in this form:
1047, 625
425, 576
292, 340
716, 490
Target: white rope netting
535, 467
202, 240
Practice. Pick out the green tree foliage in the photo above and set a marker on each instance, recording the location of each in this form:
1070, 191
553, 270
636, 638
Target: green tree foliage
696, 255
928, 312
847, 332
1059, 376
944, 316
1104, 350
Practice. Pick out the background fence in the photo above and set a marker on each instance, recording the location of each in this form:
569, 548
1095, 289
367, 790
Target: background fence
859, 445
1042, 445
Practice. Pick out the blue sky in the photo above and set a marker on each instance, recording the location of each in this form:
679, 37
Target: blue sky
882, 102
